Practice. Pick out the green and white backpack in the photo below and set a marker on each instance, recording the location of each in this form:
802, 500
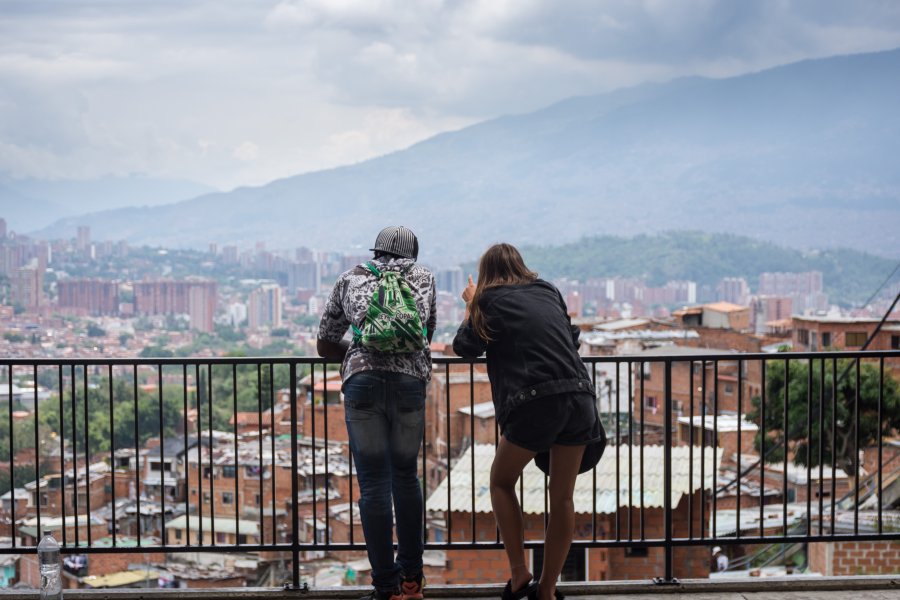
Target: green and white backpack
392, 323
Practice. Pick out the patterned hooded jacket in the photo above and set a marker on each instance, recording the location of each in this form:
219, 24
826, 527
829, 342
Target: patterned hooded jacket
348, 303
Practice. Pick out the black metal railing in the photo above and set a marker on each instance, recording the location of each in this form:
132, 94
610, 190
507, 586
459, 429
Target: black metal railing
811, 416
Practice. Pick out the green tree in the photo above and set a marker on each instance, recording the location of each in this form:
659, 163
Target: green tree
804, 441
94, 330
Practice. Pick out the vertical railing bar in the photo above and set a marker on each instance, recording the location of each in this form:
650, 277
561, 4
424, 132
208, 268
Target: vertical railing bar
259, 439
497, 443
312, 410
809, 396
187, 473
112, 447
37, 457
630, 452
237, 456
325, 429
62, 454
201, 541
75, 455
424, 481
162, 455
691, 454
822, 446
593, 470
295, 513
834, 391
641, 366
87, 457
856, 449
272, 447
880, 442
137, 456
667, 474
472, 439
12, 448
785, 429
618, 446
212, 470
447, 422
740, 467
715, 449
762, 451
703, 451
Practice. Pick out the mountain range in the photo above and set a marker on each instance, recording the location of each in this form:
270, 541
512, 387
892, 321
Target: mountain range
804, 155
29, 204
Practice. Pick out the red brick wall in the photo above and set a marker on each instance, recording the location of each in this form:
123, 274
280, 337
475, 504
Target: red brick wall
855, 558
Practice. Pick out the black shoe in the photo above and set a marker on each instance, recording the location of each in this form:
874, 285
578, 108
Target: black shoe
525, 591
376, 595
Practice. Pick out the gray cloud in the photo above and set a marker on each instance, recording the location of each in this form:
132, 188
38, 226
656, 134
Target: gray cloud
241, 93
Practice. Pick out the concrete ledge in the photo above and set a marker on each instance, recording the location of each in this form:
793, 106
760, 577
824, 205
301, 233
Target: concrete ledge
798, 584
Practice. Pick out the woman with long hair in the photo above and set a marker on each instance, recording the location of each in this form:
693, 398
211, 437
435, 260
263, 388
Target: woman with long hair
544, 404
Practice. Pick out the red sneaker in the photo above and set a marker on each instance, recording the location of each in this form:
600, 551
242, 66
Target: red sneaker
412, 588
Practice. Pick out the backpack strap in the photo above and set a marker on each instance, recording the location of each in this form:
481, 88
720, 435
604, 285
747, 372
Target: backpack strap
371, 267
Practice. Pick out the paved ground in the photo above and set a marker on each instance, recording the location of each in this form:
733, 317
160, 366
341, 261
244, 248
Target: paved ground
796, 588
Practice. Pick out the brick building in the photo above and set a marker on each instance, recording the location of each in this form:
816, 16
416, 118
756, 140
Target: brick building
94, 297
812, 334
610, 520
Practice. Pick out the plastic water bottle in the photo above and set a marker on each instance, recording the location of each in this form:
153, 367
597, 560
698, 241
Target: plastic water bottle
48, 558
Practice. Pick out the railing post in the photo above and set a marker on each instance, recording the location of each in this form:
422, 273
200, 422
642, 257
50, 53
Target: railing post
669, 577
295, 515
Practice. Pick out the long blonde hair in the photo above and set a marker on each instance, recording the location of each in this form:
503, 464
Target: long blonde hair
501, 264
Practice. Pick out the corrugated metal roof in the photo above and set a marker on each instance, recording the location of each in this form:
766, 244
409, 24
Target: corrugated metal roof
119, 579
223, 524
461, 481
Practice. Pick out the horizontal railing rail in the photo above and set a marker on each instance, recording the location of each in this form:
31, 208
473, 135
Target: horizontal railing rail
243, 454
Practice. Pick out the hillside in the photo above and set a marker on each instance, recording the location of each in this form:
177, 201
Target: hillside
803, 155
850, 276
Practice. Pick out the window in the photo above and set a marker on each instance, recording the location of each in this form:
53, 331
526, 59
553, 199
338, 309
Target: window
257, 499
178, 535
635, 552
826, 339
652, 403
855, 338
221, 538
803, 336
44, 500
227, 498
193, 491
729, 389
206, 472
229, 472
205, 497
895, 342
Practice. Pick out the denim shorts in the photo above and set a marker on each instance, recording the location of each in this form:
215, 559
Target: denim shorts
566, 419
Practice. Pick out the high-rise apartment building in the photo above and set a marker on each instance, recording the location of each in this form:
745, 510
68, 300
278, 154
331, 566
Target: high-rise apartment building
264, 309
196, 298
202, 299
2, 228
303, 276
451, 280
734, 290
27, 285
93, 297
83, 241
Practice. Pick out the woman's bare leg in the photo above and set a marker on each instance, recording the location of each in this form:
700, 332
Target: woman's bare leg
564, 463
505, 472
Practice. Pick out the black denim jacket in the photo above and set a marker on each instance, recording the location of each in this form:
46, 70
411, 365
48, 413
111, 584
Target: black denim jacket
533, 350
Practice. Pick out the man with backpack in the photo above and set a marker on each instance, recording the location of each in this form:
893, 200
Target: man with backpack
389, 304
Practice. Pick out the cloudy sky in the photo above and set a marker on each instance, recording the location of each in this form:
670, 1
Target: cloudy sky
241, 92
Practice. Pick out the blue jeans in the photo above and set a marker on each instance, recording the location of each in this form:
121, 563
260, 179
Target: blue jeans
385, 415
